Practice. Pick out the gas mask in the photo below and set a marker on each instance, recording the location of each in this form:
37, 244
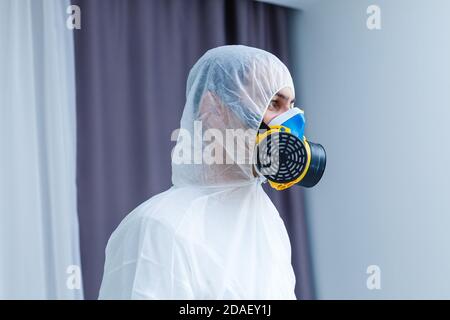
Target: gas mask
284, 156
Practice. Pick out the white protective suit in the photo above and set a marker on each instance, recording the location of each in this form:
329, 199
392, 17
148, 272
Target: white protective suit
214, 234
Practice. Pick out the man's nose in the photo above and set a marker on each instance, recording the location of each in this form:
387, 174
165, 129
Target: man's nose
284, 108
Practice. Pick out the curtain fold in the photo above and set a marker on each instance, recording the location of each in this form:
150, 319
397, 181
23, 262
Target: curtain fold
133, 59
39, 242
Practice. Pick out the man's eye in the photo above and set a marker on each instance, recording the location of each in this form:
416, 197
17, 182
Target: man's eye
274, 103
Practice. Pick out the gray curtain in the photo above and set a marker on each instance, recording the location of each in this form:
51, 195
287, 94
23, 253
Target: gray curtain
132, 62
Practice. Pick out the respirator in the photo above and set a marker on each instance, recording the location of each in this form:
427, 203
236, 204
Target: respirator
284, 156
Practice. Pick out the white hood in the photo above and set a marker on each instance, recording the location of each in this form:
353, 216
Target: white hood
229, 88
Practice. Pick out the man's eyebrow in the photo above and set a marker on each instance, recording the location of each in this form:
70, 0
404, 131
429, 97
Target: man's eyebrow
284, 97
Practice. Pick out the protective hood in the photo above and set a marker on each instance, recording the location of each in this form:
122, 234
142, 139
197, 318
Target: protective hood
228, 91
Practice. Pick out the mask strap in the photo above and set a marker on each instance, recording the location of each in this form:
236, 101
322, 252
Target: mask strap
264, 126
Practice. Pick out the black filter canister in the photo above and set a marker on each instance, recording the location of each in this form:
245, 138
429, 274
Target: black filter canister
316, 166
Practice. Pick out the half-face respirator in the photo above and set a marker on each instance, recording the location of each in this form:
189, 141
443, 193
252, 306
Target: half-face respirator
283, 154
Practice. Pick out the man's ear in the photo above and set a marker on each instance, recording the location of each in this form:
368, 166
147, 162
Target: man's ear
211, 111
215, 114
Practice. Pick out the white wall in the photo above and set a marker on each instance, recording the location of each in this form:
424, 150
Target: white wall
379, 101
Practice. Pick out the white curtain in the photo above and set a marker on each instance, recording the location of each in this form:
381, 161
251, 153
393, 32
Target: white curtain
39, 248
